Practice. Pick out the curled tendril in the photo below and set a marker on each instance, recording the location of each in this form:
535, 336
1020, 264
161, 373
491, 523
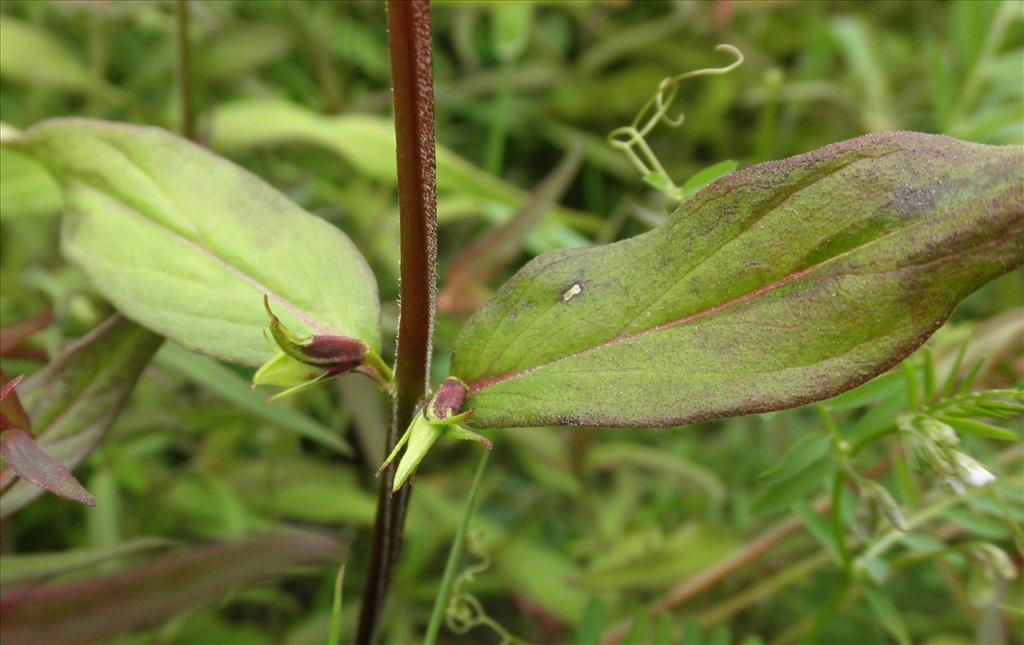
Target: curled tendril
632, 137
464, 611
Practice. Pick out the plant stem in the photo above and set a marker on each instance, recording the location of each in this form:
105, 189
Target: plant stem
454, 556
412, 78
185, 74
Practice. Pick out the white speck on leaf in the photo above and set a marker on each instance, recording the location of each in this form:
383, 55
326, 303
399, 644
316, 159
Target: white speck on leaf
572, 292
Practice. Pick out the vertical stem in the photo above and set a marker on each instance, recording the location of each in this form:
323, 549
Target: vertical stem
185, 74
412, 78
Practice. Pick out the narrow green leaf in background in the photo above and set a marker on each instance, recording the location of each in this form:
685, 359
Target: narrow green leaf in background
368, 143
887, 613
231, 387
334, 638
187, 243
799, 472
707, 176
30, 55
778, 285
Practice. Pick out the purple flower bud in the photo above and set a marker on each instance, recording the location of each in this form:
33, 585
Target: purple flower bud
333, 354
449, 399
336, 354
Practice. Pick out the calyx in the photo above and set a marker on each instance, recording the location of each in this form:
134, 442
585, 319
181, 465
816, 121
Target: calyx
441, 415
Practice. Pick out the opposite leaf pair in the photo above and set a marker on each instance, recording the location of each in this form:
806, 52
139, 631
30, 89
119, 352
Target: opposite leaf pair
777, 285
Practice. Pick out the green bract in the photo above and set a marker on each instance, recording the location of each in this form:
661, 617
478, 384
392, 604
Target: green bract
782, 284
187, 243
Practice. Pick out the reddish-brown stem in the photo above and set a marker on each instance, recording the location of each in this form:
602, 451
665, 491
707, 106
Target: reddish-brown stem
412, 79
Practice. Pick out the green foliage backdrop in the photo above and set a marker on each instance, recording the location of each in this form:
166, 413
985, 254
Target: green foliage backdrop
835, 523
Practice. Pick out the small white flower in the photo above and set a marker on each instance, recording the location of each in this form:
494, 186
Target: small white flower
970, 471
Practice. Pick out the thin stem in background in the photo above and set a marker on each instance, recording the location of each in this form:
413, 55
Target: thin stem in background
454, 557
412, 79
97, 60
185, 73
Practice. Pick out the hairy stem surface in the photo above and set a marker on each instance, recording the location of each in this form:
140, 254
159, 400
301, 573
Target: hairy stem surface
412, 78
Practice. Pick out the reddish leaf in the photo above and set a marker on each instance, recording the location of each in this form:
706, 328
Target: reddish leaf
12, 414
22, 454
13, 336
96, 609
75, 398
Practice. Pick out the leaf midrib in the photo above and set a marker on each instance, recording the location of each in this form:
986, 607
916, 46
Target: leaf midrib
253, 282
713, 192
484, 383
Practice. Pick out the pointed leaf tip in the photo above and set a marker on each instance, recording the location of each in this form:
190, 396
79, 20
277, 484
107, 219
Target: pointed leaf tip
22, 454
12, 414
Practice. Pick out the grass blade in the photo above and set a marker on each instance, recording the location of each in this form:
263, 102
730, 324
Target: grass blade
454, 556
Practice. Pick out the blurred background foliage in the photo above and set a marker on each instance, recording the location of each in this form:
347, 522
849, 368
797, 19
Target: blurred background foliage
718, 527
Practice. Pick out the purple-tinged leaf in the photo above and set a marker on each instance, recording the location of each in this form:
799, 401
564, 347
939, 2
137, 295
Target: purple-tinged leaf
13, 336
21, 569
96, 609
12, 414
466, 285
73, 401
21, 453
781, 284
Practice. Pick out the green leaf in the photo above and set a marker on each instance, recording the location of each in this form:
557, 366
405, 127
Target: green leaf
799, 473
33, 56
649, 560
303, 490
589, 630
187, 243
511, 23
617, 456
240, 49
706, 177
26, 189
231, 387
75, 399
979, 428
778, 285
93, 610
368, 143
887, 613
334, 637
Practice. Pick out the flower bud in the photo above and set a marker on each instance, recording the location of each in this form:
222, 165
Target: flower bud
333, 354
336, 354
970, 471
939, 432
994, 558
449, 399
879, 496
